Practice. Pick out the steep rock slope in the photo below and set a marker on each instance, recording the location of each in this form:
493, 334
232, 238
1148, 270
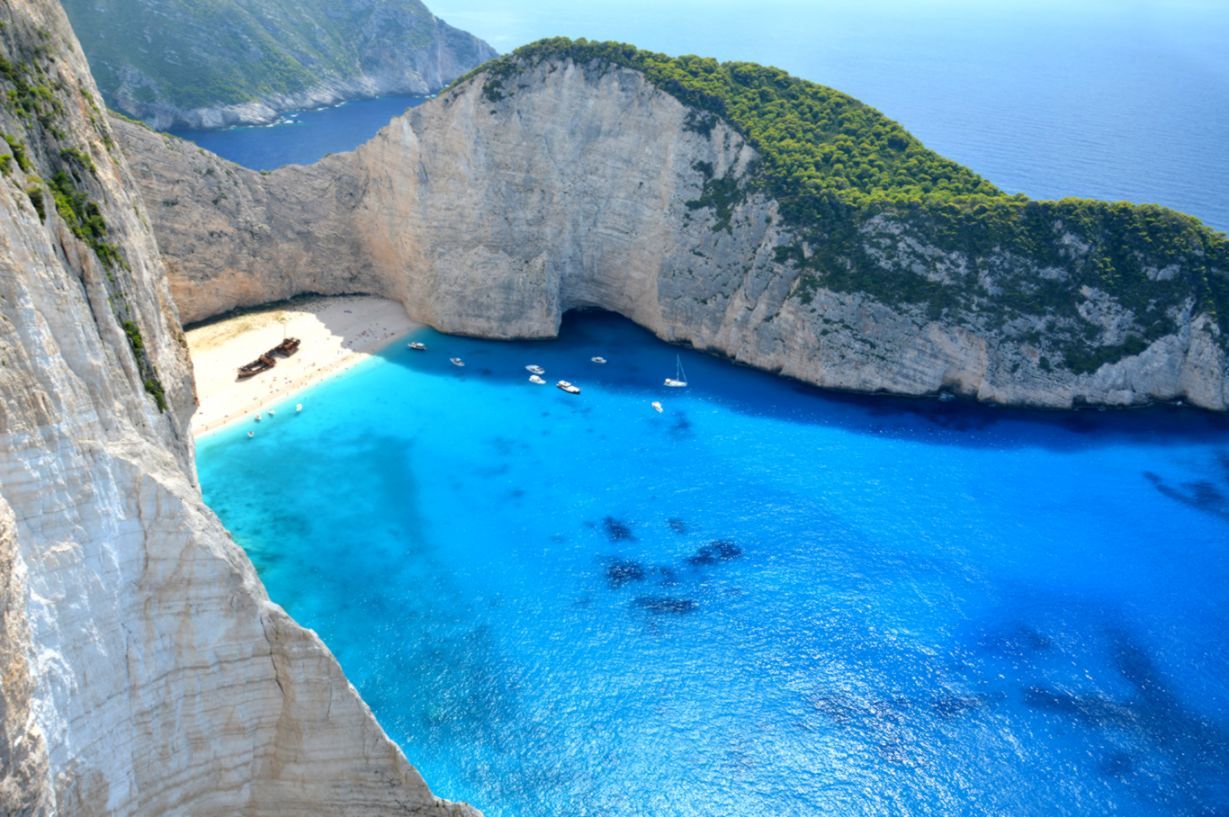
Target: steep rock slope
839, 251
143, 670
243, 61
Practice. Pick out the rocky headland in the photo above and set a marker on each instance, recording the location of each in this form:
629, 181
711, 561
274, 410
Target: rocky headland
237, 62
675, 192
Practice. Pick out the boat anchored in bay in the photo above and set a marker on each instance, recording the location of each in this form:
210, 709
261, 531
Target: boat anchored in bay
679, 381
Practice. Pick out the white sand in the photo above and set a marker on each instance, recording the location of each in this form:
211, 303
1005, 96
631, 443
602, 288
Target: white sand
336, 333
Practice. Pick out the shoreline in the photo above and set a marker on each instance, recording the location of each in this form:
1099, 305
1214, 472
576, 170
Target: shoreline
338, 332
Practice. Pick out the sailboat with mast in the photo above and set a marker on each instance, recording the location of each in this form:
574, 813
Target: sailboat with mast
679, 381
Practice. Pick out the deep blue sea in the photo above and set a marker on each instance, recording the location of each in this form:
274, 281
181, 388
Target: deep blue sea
303, 137
763, 600
1109, 99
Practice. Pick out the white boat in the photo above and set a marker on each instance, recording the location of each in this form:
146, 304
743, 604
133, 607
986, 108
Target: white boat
534, 368
564, 385
656, 406
417, 346
537, 381
456, 361
598, 359
298, 407
679, 381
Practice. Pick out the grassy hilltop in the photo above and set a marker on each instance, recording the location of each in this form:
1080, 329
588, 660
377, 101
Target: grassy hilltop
833, 164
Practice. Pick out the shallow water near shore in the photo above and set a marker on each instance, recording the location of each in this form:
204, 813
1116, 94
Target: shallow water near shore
763, 600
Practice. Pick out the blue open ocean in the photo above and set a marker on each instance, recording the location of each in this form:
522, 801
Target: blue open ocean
763, 600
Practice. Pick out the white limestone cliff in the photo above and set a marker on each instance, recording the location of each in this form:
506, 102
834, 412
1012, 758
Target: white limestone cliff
493, 214
143, 669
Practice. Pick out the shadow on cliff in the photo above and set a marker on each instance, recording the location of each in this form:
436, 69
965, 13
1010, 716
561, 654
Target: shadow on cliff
638, 363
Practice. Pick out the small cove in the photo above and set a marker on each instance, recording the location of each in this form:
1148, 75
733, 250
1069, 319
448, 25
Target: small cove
766, 599
769, 599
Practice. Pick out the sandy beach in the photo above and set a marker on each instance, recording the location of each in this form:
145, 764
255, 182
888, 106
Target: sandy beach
337, 333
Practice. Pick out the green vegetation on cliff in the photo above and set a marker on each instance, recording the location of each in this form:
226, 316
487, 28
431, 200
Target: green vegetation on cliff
813, 141
188, 54
862, 194
46, 154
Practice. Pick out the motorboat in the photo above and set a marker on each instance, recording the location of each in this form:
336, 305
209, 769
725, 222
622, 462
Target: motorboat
417, 346
536, 380
534, 368
598, 359
456, 361
656, 406
564, 385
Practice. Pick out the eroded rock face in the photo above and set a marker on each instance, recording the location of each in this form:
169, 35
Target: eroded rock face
492, 214
143, 670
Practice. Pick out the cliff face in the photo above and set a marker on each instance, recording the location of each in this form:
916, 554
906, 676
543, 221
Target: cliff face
143, 670
564, 183
209, 65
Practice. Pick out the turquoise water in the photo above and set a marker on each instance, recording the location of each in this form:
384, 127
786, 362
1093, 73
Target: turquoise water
764, 600
1110, 99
